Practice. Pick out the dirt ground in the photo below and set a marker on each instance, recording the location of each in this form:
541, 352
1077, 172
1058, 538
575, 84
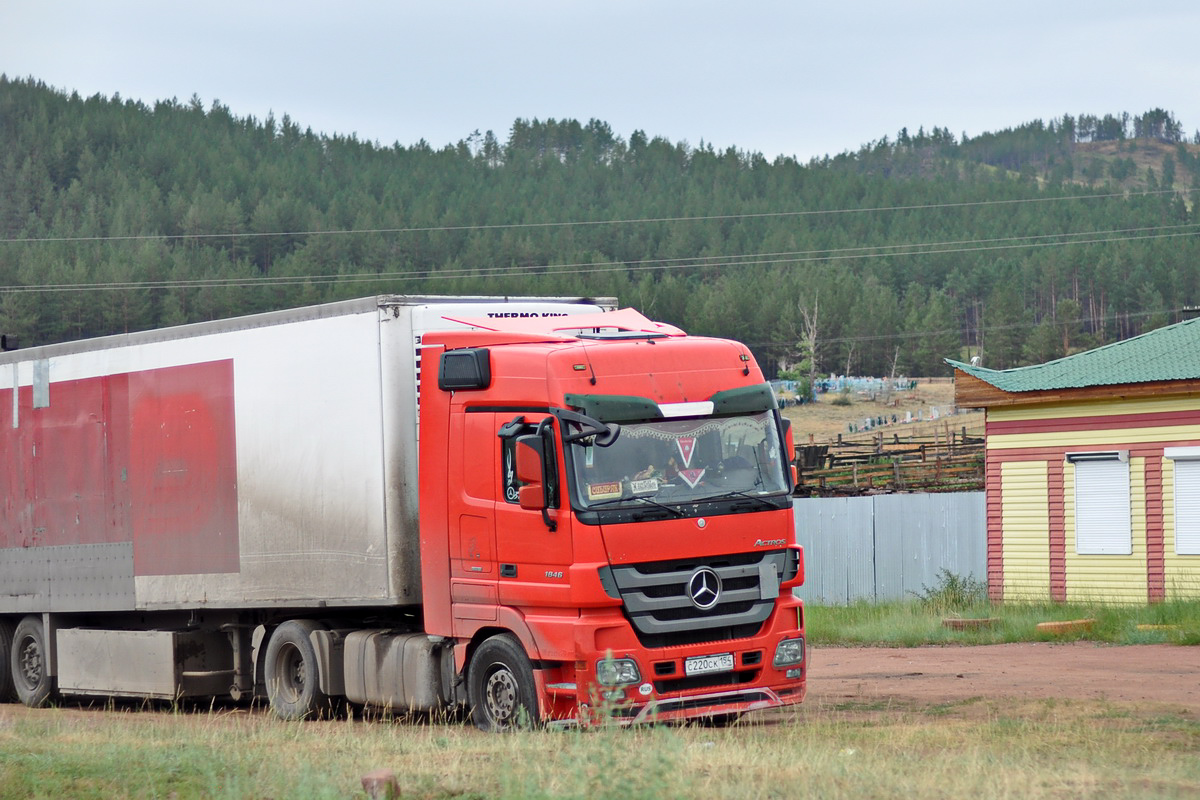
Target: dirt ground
1160, 675
1150, 677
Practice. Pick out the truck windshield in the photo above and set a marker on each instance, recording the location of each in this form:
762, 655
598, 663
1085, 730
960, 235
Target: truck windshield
681, 461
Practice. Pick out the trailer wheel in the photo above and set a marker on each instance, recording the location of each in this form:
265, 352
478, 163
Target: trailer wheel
29, 677
502, 693
8, 692
293, 674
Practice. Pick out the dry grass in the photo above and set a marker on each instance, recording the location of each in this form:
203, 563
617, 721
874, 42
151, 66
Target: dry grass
985, 749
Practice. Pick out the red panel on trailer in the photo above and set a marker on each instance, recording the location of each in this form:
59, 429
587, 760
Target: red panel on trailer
72, 497
183, 470
17, 502
147, 457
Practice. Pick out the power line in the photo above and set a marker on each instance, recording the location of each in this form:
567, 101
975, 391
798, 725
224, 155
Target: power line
565, 224
702, 262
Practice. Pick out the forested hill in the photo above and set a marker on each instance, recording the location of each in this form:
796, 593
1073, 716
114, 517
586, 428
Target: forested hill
1026, 243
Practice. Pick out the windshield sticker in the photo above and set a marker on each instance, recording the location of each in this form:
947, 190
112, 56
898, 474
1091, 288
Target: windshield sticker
671, 430
691, 476
647, 486
687, 446
604, 491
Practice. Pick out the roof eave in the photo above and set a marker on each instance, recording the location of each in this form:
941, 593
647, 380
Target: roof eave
973, 392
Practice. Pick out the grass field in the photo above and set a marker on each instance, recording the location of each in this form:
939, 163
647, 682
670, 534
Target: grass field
983, 749
923, 620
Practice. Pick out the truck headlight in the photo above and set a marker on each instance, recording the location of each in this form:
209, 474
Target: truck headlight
617, 672
788, 652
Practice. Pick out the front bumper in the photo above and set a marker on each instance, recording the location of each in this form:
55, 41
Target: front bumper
665, 691
704, 705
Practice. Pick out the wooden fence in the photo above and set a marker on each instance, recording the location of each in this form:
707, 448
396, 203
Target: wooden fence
949, 462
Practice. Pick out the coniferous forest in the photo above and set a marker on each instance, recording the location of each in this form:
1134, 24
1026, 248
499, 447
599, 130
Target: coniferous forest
1019, 245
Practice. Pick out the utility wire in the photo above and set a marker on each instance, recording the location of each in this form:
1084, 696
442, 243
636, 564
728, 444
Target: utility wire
703, 262
568, 224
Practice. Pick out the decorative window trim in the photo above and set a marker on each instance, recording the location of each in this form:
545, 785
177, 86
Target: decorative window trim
1182, 453
1098, 455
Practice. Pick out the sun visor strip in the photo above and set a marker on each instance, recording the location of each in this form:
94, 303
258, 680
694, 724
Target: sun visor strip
614, 407
745, 400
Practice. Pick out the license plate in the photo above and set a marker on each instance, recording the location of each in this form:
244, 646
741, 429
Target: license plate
701, 665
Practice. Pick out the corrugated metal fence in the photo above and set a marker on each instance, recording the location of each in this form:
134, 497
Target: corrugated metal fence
885, 547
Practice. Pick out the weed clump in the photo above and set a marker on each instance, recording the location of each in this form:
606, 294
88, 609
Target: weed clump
952, 593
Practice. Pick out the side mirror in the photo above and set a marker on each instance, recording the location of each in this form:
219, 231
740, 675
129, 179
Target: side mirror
536, 469
530, 459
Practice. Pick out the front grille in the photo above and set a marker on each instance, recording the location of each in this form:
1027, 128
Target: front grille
705, 681
657, 603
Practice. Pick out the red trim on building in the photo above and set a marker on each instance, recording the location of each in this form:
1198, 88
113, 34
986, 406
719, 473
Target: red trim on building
1155, 562
1059, 452
993, 497
1035, 453
1092, 423
1056, 511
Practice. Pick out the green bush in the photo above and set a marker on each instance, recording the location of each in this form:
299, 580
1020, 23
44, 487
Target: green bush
952, 593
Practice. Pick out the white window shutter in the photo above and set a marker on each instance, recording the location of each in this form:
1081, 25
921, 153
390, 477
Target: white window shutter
1187, 507
1103, 525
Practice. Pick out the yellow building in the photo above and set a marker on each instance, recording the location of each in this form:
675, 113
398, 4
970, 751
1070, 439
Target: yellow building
1093, 471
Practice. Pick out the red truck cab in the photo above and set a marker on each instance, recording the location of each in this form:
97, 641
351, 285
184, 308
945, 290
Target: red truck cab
606, 522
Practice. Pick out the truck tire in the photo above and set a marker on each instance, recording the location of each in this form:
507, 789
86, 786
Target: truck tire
292, 672
8, 692
33, 685
500, 683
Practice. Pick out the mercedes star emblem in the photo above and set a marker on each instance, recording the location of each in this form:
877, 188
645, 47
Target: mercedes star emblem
704, 588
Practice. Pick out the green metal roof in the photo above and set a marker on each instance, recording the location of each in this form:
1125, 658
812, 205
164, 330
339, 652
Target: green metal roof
1166, 354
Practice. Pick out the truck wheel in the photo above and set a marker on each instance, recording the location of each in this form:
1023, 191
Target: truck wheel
7, 692
501, 689
28, 662
292, 672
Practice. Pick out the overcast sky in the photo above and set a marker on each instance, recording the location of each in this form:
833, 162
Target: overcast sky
803, 78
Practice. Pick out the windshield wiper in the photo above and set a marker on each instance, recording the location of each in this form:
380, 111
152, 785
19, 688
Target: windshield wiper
642, 498
732, 493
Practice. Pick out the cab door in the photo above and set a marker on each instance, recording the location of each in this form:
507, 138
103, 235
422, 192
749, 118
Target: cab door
472, 501
533, 560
